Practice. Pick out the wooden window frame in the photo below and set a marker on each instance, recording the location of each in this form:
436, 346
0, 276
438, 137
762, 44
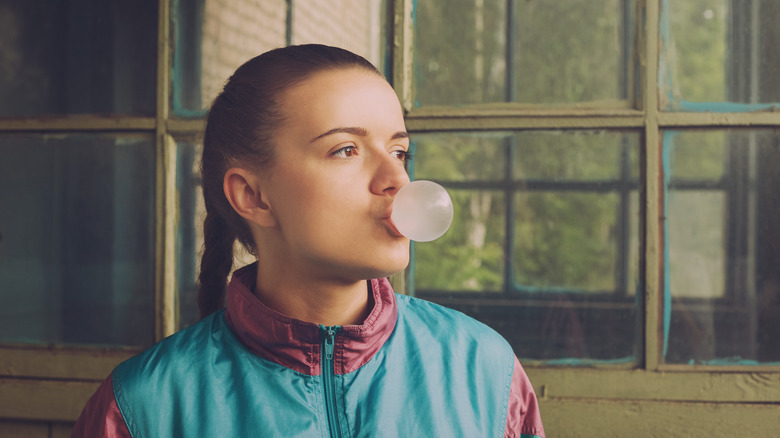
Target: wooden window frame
650, 378
52, 384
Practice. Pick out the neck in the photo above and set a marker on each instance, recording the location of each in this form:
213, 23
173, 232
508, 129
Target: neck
319, 301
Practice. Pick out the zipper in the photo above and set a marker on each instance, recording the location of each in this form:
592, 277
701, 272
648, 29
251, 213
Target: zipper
329, 378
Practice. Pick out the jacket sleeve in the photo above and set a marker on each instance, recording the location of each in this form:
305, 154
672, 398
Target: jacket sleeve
101, 416
523, 419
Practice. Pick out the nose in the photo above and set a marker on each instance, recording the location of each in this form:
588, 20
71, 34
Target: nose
389, 175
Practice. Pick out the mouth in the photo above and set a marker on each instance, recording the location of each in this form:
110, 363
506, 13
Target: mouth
391, 226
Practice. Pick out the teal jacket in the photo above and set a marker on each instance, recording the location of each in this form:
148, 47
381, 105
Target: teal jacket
412, 369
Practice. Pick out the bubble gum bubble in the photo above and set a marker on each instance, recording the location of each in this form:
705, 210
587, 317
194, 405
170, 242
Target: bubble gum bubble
422, 210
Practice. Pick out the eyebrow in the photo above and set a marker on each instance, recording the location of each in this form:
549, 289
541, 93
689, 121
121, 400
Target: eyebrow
400, 134
354, 130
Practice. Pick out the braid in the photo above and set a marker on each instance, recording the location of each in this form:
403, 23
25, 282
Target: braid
216, 263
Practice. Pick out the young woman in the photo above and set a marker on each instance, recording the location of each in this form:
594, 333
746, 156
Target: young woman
303, 153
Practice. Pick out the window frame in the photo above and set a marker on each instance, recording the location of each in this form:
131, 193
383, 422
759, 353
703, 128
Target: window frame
566, 392
52, 383
643, 113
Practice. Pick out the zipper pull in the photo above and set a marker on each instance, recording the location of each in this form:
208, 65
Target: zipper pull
329, 333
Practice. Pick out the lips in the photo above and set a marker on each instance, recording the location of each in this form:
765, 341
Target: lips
393, 228
387, 219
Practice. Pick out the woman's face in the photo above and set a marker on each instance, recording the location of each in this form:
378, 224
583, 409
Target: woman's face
338, 162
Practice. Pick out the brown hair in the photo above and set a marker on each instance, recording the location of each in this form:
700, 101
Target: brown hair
239, 132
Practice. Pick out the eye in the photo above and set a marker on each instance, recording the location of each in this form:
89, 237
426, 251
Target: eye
346, 152
402, 155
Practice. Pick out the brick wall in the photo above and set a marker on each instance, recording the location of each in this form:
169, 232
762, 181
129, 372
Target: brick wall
233, 32
351, 24
236, 30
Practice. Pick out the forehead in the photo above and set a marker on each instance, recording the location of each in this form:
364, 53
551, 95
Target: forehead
349, 95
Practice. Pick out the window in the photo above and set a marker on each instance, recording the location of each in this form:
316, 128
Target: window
217, 36
678, 233
549, 214
560, 52
722, 248
78, 242
79, 237
77, 57
545, 245
77, 232
613, 165
721, 290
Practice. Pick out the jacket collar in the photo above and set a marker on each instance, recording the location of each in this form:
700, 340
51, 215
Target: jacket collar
295, 344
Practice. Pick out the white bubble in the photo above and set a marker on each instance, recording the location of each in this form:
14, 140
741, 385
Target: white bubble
422, 210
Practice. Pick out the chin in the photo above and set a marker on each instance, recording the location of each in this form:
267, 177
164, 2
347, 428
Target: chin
388, 267
380, 260
397, 259
396, 270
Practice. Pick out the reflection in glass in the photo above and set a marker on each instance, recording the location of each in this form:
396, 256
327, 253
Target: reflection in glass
532, 51
77, 239
723, 245
696, 233
717, 51
545, 243
76, 57
554, 248
360, 23
469, 257
460, 157
588, 156
214, 37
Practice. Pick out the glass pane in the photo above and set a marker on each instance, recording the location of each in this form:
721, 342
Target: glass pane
719, 55
566, 240
696, 256
77, 239
723, 246
567, 51
701, 157
214, 37
581, 155
545, 250
575, 211
470, 256
459, 157
363, 22
78, 56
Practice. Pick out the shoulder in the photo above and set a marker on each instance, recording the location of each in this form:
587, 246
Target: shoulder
466, 356
448, 325
183, 347
441, 317
101, 415
160, 376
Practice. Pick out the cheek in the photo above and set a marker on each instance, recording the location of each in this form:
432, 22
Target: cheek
334, 188
321, 196
317, 204
314, 194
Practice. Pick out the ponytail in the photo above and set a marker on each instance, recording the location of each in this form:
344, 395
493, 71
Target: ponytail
215, 265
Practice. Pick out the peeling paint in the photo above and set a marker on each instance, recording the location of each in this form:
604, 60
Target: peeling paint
726, 107
666, 152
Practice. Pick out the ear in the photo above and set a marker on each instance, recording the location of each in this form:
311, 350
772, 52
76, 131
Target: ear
242, 189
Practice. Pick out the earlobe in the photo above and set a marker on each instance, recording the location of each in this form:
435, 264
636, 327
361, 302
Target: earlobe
242, 189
